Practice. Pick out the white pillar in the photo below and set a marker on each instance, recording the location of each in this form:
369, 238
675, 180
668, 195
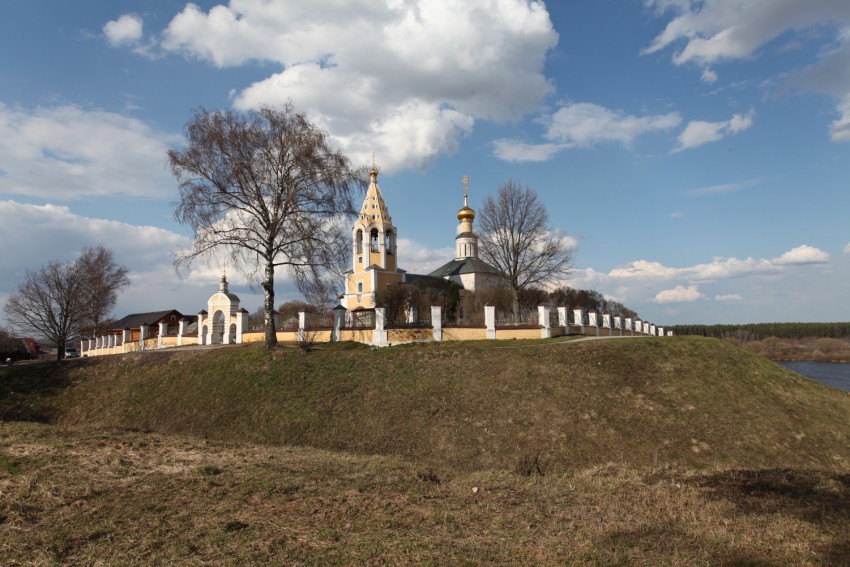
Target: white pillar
592, 322
490, 320
379, 335
562, 319
182, 327
578, 318
302, 325
660, 331
201, 337
606, 321
240, 325
543, 321
638, 326
437, 322
143, 334
125, 338
339, 320
163, 326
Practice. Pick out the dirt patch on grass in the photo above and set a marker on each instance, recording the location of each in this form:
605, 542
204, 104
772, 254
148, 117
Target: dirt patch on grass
80, 496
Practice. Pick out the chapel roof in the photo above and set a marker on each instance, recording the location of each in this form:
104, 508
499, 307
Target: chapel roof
374, 210
136, 320
464, 266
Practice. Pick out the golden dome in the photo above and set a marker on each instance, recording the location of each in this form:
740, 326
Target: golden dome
465, 214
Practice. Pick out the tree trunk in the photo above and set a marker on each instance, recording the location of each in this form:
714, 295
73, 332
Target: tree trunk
515, 305
268, 306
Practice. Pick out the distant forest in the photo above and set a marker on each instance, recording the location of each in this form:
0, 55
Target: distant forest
758, 331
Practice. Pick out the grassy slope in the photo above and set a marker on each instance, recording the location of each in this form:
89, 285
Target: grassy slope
106, 497
687, 401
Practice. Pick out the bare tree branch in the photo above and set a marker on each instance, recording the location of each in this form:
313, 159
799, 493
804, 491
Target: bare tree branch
516, 239
268, 188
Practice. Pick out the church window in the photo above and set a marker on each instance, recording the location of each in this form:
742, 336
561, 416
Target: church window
359, 287
359, 239
374, 239
390, 244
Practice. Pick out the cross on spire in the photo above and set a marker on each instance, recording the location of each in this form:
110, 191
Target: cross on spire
465, 182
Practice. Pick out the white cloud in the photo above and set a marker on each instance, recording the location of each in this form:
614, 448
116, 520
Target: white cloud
708, 77
514, 151
54, 232
67, 152
802, 255
728, 297
421, 260
713, 31
585, 124
839, 130
126, 30
847, 248
407, 79
724, 188
680, 294
697, 132
721, 268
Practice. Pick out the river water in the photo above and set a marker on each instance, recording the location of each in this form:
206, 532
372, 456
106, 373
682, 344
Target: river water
835, 374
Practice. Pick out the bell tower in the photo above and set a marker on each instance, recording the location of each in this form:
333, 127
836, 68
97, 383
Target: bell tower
466, 242
374, 254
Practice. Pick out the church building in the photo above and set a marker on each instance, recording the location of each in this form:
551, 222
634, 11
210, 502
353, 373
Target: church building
467, 269
374, 259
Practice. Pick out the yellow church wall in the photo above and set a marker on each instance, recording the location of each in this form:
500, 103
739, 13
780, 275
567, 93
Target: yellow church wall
190, 340
505, 334
169, 341
409, 335
322, 336
356, 335
464, 334
253, 337
287, 336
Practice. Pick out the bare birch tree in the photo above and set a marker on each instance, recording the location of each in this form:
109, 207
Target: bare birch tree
48, 302
267, 188
103, 279
516, 239
62, 299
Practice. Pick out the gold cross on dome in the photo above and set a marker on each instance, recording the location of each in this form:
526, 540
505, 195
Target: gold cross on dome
465, 182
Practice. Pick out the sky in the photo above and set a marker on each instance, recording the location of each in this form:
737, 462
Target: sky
696, 154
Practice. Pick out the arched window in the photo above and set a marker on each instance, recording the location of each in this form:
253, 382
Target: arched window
359, 239
390, 244
373, 237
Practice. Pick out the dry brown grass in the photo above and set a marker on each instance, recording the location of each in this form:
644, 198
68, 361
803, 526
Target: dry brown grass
105, 497
686, 402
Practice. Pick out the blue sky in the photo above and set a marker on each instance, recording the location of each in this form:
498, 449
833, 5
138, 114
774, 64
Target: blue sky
696, 154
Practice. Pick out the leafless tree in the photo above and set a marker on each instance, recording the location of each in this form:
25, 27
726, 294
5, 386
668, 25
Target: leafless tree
61, 299
516, 239
102, 280
48, 302
267, 188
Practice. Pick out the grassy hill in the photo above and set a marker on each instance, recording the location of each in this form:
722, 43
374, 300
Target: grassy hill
684, 401
674, 451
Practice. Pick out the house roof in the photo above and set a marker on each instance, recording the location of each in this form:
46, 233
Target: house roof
464, 266
424, 282
150, 319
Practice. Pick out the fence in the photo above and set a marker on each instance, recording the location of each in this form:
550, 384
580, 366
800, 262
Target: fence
371, 327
